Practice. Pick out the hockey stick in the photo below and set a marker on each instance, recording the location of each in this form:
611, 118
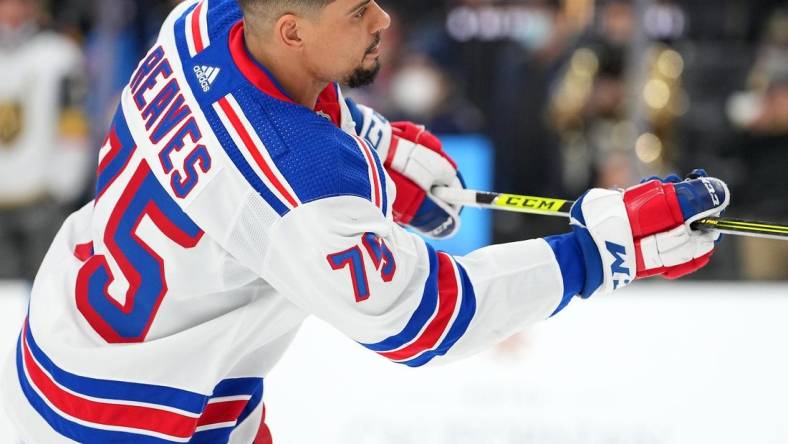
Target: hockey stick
559, 207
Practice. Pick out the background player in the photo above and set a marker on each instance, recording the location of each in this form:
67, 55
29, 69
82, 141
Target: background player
44, 156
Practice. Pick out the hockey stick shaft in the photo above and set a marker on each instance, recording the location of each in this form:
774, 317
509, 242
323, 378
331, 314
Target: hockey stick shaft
560, 207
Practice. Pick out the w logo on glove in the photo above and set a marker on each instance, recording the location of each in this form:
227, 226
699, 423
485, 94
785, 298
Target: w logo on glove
617, 268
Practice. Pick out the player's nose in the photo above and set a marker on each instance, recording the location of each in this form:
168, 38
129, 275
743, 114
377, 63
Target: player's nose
382, 19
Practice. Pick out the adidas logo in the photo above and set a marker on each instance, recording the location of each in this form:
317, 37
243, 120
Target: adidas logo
206, 75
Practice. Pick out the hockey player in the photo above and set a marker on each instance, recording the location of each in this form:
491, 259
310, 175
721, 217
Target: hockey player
238, 193
44, 156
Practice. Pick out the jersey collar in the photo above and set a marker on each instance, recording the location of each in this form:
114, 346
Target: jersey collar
255, 72
264, 80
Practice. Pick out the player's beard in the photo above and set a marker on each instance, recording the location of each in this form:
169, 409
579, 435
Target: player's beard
364, 76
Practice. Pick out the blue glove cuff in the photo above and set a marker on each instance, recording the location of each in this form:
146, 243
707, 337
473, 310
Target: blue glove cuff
580, 264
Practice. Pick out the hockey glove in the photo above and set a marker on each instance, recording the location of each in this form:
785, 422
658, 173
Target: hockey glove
416, 162
645, 230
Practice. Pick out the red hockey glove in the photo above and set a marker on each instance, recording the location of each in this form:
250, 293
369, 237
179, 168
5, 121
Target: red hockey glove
645, 230
416, 163
660, 213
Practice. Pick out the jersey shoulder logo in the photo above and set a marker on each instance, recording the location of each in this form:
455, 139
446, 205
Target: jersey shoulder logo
206, 75
11, 122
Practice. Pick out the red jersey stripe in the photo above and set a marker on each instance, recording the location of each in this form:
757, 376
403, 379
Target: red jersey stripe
222, 412
250, 146
199, 45
103, 413
374, 168
447, 301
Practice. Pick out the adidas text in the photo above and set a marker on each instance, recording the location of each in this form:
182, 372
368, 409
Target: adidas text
206, 76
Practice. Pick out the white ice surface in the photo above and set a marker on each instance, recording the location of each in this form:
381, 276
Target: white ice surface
655, 364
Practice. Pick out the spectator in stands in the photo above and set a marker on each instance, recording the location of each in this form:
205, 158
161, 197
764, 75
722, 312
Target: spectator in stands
413, 85
44, 156
528, 154
761, 150
589, 104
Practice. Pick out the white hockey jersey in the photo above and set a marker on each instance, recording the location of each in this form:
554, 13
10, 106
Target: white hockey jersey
43, 133
224, 215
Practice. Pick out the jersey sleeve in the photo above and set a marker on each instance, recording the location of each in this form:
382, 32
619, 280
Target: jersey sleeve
340, 259
369, 125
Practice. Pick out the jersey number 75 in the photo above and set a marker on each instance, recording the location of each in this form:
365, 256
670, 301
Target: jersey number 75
353, 259
141, 266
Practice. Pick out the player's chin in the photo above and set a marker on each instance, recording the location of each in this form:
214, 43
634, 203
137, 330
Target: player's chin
363, 75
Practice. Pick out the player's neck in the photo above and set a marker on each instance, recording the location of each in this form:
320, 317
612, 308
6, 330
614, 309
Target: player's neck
298, 83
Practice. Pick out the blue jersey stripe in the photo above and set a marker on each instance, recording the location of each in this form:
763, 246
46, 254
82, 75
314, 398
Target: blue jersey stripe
235, 155
254, 401
117, 390
180, 32
421, 316
358, 119
87, 434
70, 429
355, 113
219, 13
237, 386
460, 326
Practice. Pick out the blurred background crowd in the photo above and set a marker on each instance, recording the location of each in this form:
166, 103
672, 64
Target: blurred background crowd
571, 94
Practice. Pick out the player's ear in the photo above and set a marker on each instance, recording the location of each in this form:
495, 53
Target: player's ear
288, 31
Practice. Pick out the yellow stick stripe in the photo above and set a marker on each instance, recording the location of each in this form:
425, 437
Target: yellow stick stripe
744, 226
746, 223
752, 229
755, 226
529, 203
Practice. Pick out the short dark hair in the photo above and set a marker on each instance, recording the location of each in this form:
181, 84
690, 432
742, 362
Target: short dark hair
273, 9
